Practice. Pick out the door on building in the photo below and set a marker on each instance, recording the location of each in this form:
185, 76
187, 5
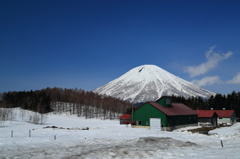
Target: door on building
138, 122
155, 124
214, 122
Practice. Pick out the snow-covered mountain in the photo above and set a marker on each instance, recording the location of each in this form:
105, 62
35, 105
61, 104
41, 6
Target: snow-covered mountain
148, 83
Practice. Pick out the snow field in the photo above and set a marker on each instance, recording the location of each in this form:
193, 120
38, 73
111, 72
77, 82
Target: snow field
108, 139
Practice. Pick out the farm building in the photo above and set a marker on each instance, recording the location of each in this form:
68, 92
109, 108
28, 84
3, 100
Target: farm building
222, 116
125, 119
226, 117
172, 115
207, 116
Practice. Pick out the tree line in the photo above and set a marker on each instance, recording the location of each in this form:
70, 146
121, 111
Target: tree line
74, 101
91, 105
217, 102
37, 101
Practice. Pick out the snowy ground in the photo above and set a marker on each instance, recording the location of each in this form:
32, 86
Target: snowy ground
108, 139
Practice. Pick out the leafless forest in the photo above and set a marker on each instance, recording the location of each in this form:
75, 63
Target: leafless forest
74, 101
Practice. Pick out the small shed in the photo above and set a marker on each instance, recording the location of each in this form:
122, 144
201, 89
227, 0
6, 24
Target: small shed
226, 117
172, 115
125, 119
207, 116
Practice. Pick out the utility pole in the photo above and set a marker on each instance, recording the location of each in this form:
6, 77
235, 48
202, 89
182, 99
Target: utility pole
132, 113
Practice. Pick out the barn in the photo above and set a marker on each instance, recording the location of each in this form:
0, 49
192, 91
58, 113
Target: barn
226, 117
207, 116
172, 115
125, 119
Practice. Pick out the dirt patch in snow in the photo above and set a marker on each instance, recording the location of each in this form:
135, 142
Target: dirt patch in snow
75, 128
203, 130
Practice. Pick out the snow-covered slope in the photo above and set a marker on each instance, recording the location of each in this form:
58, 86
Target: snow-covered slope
148, 83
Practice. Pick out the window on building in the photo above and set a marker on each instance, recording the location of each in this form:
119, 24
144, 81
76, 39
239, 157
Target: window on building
168, 102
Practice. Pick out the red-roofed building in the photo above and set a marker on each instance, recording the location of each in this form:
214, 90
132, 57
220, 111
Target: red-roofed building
223, 116
125, 119
172, 115
207, 116
226, 117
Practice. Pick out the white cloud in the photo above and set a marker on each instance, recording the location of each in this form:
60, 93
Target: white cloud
207, 81
213, 59
235, 80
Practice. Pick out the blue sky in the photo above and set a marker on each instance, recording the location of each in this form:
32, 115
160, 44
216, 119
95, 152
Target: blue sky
86, 44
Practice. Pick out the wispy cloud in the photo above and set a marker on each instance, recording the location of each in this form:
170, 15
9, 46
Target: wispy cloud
207, 81
213, 59
216, 80
235, 80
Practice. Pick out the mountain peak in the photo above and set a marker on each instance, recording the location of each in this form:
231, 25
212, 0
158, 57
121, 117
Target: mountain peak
147, 68
148, 83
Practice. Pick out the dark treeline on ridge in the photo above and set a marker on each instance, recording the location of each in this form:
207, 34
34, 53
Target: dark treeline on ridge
217, 102
37, 101
75, 101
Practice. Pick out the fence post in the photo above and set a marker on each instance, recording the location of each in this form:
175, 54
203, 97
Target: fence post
12, 134
55, 137
29, 133
221, 143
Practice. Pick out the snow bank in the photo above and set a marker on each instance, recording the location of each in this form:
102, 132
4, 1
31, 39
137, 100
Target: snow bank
227, 132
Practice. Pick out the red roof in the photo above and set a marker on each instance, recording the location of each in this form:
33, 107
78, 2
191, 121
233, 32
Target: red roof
175, 110
125, 116
224, 113
220, 113
205, 113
